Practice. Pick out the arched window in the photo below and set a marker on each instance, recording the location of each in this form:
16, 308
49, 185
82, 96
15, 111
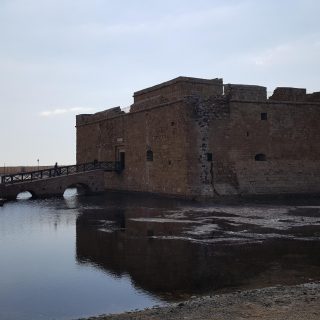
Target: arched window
260, 157
149, 155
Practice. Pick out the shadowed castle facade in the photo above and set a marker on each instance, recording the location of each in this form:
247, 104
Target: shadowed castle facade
200, 138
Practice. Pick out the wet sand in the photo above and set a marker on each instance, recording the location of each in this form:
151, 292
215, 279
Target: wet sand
281, 303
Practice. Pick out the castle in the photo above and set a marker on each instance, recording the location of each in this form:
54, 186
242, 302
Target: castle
194, 137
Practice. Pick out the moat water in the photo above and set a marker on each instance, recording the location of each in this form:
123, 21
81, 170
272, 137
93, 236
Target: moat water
77, 256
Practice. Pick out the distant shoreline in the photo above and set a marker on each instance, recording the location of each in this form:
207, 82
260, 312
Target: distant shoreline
17, 169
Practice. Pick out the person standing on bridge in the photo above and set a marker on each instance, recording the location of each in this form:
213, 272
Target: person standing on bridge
56, 169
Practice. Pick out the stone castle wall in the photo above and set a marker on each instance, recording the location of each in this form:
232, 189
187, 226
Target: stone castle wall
208, 140
288, 138
161, 131
180, 87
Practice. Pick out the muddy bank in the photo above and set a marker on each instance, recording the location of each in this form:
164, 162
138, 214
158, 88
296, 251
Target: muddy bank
281, 303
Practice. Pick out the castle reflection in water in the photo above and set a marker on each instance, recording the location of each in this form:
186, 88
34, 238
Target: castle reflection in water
127, 238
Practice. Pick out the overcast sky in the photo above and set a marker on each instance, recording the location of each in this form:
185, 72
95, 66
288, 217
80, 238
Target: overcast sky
59, 58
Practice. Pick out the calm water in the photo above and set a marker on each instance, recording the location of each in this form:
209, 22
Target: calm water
66, 258
41, 276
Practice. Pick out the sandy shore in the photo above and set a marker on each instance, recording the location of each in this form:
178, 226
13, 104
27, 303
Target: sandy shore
281, 303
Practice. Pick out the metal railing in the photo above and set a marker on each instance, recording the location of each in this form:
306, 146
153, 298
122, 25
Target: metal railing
61, 171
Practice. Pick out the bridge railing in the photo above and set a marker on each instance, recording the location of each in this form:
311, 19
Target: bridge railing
60, 171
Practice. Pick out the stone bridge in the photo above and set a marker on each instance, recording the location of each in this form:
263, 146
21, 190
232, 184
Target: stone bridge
53, 182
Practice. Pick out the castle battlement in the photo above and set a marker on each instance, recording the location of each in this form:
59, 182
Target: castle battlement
177, 89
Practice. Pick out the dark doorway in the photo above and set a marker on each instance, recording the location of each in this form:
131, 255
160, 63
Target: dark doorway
122, 158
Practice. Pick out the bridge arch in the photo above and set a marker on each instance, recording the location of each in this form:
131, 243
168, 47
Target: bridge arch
82, 188
23, 194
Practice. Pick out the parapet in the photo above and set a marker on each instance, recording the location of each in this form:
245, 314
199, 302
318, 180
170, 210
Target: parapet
148, 103
106, 114
176, 89
181, 87
245, 92
313, 97
289, 94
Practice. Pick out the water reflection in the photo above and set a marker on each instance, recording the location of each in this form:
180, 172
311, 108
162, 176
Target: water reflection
39, 275
142, 242
71, 257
